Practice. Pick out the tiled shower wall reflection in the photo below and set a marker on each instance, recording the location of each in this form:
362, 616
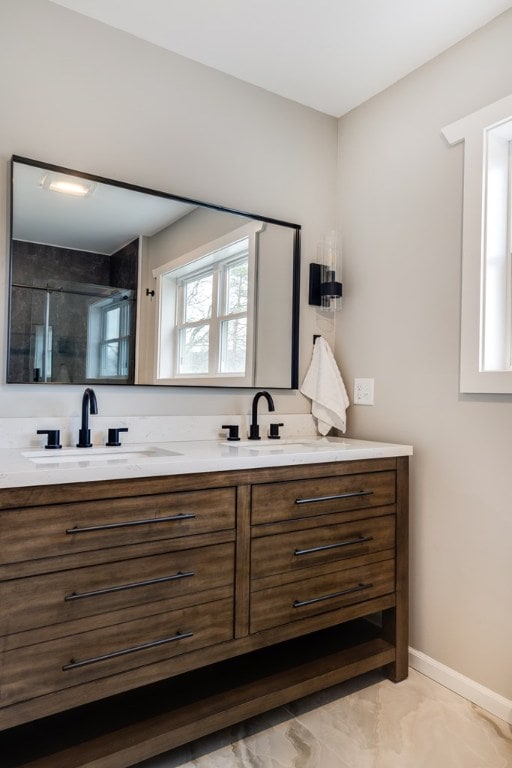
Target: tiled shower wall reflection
36, 268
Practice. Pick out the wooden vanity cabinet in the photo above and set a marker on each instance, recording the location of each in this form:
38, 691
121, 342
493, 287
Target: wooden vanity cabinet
140, 614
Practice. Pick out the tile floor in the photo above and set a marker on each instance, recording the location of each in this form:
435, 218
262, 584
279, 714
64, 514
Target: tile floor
368, 723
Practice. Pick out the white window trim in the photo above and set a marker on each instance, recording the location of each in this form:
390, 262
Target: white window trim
166, 306
473, 131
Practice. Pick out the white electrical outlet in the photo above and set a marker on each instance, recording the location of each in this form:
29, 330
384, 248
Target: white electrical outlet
363, 391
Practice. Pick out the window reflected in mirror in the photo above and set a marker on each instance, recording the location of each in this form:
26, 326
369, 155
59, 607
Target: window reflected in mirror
207, 298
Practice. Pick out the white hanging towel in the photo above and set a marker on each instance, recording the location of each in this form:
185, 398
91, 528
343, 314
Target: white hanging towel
324, 386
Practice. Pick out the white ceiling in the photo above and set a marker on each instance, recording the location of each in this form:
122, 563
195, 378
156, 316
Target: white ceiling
327, 54
103, 222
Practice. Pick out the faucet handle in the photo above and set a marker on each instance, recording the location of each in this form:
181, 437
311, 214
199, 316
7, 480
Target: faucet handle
53, 437
113, 435
274, 431
233, 431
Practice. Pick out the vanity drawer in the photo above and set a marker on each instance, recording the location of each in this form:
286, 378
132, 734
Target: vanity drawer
320, 545
306, 498
53, 598
63, 529
52, 666
309, 597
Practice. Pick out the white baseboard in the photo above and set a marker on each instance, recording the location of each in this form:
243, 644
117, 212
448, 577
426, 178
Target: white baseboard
483, 697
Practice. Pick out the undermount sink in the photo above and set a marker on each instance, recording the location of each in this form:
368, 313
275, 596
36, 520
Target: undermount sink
286, 445
99, 455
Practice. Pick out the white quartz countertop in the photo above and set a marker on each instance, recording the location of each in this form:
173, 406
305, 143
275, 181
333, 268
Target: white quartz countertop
33, 467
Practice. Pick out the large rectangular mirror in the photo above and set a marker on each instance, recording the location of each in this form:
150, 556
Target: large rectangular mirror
111, 283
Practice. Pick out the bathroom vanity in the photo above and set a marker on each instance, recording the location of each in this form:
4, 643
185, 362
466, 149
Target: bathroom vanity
144, 611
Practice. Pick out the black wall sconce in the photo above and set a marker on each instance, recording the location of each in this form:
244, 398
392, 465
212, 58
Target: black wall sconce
325, 290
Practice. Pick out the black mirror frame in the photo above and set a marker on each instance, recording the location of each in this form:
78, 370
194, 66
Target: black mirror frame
294, 342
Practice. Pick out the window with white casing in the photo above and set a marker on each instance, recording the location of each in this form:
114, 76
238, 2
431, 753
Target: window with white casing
486, 300
206, 312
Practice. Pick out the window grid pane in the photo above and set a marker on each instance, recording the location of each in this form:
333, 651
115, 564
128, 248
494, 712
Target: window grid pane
233, 345
114, 345
112, 323
237, 286
109, 359
194, 346
197, 298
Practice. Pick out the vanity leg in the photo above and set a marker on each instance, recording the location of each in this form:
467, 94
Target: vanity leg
394, 631
395, 621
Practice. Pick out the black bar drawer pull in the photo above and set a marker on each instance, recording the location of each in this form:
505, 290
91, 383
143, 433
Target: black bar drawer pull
115, 654
128, 523
132, 585
323, 547
359, 588
350, 495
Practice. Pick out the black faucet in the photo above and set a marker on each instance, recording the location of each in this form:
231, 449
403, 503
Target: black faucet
254, 433
89, 405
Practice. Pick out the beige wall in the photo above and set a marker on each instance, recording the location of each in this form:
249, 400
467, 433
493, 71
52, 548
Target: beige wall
80, 94
400, 199
77, 93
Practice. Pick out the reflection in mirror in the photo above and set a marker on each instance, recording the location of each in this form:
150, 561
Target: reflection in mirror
112, 283
207, 310
68, 330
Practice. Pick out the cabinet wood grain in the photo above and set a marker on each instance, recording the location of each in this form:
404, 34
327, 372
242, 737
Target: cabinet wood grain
308, 498
320, 594
322, 544
140, 614
50, 531
56, 598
